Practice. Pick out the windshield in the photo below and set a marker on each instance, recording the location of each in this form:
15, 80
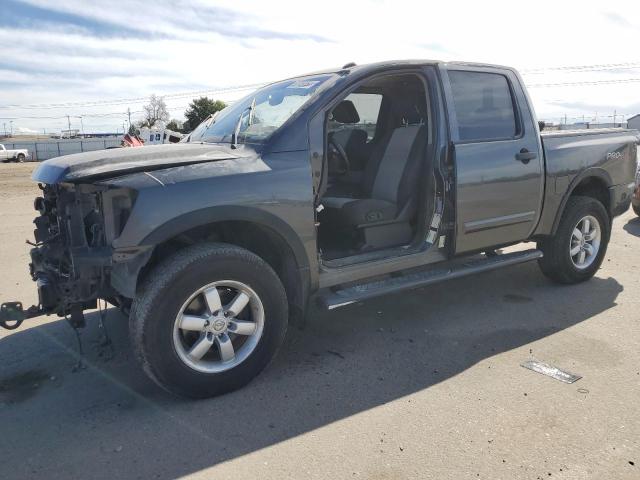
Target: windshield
260, 114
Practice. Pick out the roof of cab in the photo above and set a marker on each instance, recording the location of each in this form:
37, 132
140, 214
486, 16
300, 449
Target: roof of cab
388, 64
383, 65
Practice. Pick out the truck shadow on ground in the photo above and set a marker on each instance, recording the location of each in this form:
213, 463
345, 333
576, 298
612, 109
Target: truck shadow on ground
633, 227
108, 420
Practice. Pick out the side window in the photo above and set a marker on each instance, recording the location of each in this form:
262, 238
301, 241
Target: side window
484, 106
362, 114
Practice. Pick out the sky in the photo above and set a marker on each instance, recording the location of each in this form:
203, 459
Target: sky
97, 59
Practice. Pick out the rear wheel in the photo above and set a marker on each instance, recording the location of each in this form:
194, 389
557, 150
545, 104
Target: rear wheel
636, 209
208, 320
576, 251
21, 158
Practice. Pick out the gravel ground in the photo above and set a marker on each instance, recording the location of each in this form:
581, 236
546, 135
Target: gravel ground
426, 384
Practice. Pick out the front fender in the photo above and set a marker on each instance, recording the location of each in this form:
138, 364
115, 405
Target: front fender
206, 216
273, 191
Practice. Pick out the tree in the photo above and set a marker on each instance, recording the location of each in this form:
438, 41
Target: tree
155, 112
199, 109
174, 125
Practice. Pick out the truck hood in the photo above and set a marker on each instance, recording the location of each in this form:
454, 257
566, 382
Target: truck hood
119, 161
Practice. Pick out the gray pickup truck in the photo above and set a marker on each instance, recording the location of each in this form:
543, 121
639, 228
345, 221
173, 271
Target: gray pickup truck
338, 186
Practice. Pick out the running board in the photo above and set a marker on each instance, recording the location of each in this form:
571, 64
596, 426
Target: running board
341, 297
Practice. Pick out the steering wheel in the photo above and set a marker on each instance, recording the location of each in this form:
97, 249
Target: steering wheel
338, 160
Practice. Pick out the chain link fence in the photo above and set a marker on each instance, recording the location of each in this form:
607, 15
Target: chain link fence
45, 149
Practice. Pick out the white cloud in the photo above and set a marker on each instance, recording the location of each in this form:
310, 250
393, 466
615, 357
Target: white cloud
72, 50
24, 131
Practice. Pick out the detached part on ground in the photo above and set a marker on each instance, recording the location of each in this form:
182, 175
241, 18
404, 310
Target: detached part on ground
338, 186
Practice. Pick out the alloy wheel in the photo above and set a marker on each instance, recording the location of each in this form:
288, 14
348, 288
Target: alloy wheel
219, 326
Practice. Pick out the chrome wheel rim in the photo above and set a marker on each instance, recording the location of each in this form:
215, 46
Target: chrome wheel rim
585, 242
219, 326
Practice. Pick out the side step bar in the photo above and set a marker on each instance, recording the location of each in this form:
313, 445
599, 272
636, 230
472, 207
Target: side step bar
341, 297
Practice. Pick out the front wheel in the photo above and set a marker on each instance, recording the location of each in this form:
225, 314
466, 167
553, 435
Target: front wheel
208, 320
576, 251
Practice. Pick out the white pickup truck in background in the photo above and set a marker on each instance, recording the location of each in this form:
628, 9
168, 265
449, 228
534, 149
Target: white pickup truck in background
17, 155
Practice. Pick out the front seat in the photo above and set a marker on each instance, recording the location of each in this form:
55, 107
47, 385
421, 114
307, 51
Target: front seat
352, 140
389, 187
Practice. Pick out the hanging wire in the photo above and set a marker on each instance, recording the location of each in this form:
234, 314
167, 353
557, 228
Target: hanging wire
106, 340
80, 365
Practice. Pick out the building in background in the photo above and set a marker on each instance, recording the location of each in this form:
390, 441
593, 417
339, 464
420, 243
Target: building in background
69, 133
634, 122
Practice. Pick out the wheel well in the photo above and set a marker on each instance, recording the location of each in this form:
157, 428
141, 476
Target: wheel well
593, 187
261, 240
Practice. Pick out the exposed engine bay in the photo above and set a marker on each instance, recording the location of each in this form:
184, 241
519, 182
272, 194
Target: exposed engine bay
71, 258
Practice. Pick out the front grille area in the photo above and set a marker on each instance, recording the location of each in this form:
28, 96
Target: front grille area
67, 260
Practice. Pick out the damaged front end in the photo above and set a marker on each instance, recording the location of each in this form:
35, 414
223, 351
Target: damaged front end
71, 258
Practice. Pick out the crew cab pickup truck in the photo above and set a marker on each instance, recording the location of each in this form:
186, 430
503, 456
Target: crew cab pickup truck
17, 155
337, 186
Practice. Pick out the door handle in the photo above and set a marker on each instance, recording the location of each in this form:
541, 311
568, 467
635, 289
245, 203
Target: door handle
525, 156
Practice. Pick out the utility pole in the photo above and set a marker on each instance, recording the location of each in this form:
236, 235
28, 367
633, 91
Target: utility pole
69, 123
615, 114
129, 113
81, 126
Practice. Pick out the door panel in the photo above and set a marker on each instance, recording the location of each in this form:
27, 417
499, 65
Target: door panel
498, 159
497, 196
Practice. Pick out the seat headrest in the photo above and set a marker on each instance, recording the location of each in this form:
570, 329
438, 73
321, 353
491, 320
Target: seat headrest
345, 112
408, 112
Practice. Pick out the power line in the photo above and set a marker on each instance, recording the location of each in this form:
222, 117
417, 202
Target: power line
592, 82
124, 101
127, 113
93, 115
135, 100
583, 68
102, 103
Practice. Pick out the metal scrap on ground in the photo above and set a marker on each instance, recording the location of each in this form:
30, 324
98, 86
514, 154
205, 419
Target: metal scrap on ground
550, 371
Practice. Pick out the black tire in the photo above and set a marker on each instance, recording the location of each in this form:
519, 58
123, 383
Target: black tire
170, 284
557, 263
20, 158
636, 209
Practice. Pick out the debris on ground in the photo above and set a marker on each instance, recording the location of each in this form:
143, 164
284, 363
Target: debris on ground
551, 371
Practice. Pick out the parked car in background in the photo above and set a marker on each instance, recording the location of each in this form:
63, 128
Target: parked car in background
17, 155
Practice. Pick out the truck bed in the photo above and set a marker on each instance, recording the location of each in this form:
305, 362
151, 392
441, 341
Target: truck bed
574, 154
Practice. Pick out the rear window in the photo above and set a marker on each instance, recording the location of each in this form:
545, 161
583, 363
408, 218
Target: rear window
483, 105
